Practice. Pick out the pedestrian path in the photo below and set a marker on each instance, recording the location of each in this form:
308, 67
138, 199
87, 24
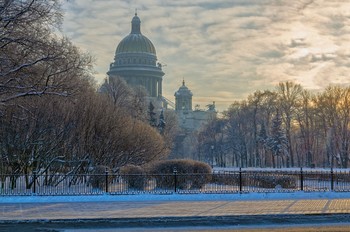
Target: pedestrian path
162, 209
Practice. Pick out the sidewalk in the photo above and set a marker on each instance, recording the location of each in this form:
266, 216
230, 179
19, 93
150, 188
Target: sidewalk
56, 213
170, 206
124, 210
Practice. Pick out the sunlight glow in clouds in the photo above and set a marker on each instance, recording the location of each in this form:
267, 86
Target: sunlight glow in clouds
225, 50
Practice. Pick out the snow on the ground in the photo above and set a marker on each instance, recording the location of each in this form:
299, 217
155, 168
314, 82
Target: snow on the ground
175, 197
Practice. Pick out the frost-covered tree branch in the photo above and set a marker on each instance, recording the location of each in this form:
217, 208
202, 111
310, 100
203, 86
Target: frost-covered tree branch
34, 60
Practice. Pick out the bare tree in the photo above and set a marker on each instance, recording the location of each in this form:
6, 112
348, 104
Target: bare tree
33, 60
118, 91
289, 95
305, 140
333, 113
53, 120
171, 129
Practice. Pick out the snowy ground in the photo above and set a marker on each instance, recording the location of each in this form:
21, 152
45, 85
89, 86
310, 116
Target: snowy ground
176, 197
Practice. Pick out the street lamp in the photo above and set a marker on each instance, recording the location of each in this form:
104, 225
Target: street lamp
212, 155
175, 179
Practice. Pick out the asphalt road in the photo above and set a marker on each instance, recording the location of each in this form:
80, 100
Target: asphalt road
82, 227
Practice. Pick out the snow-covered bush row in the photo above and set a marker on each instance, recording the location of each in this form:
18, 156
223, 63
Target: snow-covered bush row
200, 173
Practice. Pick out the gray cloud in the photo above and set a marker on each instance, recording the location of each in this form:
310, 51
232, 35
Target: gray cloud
225, 50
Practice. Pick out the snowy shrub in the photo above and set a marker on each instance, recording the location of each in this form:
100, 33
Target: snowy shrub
342, 177
226, 179
134, 176
98, 177
273, 181
254, 179
189, 173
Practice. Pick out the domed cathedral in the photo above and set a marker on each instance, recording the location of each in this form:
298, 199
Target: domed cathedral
135, 61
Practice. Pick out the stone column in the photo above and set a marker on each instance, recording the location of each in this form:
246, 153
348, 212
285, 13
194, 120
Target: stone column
154, 94
160, 87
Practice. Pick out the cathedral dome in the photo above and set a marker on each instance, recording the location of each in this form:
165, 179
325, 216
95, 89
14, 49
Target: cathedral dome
135, 42
135, 61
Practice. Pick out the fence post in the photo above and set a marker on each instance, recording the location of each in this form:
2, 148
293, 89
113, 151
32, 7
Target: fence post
301, 179
240, 180
175, 178
106, 175
332, 179
34, 183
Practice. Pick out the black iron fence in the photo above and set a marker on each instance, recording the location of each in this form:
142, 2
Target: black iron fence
240, 181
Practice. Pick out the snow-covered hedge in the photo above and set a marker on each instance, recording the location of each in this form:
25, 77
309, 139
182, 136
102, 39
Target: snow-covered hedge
267, 181
134, 176
255, 180
98, 177
190, 174
227, 179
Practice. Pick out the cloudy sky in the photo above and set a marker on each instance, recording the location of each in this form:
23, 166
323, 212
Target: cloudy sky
224, 49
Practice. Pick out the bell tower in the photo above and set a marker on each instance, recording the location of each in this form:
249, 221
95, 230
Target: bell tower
183, 98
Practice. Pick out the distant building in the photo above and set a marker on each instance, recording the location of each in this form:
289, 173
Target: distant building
135, 61
190, 119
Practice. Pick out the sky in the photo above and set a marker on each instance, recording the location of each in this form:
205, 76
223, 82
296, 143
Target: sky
225, 50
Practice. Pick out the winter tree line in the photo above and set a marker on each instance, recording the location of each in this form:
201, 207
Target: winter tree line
285, 127
52, 118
